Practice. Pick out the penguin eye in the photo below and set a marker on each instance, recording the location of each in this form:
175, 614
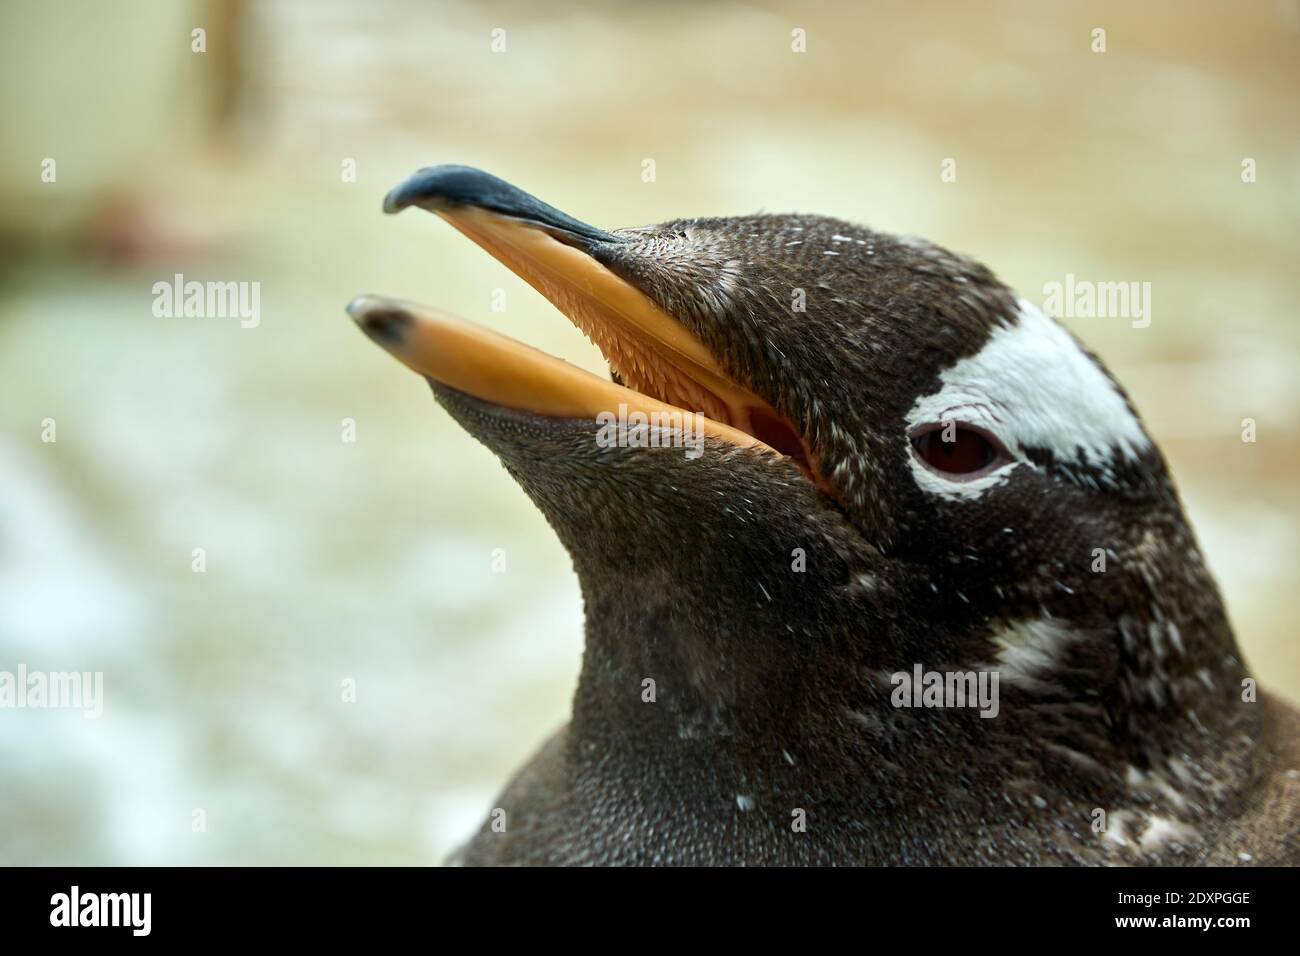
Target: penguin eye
956, 450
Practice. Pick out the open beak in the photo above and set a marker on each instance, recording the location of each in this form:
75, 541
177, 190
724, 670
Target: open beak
503, 371
665, 368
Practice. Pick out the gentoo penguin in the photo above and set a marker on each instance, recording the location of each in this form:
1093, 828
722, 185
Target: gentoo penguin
915, 588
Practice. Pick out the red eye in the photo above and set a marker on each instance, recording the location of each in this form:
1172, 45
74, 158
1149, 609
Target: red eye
954, 449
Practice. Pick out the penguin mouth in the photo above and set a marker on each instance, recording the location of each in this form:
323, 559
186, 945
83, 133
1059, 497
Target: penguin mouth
658, 367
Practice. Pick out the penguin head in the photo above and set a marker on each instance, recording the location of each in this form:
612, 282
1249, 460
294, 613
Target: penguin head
899, 463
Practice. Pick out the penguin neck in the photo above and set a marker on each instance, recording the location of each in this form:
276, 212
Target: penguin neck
662, 664
695, 652
676, 672
1181, 681
700, 622
719, 685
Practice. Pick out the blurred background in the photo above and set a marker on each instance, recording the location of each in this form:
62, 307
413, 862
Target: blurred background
371, 561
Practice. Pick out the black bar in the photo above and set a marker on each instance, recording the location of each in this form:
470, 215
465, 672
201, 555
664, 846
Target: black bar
332, 906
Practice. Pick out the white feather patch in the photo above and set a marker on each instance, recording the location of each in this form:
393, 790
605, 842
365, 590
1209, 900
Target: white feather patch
1029, 650
1033, 387
1162, 830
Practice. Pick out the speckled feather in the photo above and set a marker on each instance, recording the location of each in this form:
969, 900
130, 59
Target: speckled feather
772, 686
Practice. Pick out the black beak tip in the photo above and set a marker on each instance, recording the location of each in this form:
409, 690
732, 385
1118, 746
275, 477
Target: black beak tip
395, 202
379, 319
435, 186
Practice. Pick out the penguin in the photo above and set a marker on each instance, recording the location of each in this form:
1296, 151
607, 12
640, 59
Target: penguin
879, 563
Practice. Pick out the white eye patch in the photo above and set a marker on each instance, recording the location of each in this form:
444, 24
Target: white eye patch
1033, 387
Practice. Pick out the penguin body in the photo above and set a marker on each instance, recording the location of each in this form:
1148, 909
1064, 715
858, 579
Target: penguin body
926, 596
